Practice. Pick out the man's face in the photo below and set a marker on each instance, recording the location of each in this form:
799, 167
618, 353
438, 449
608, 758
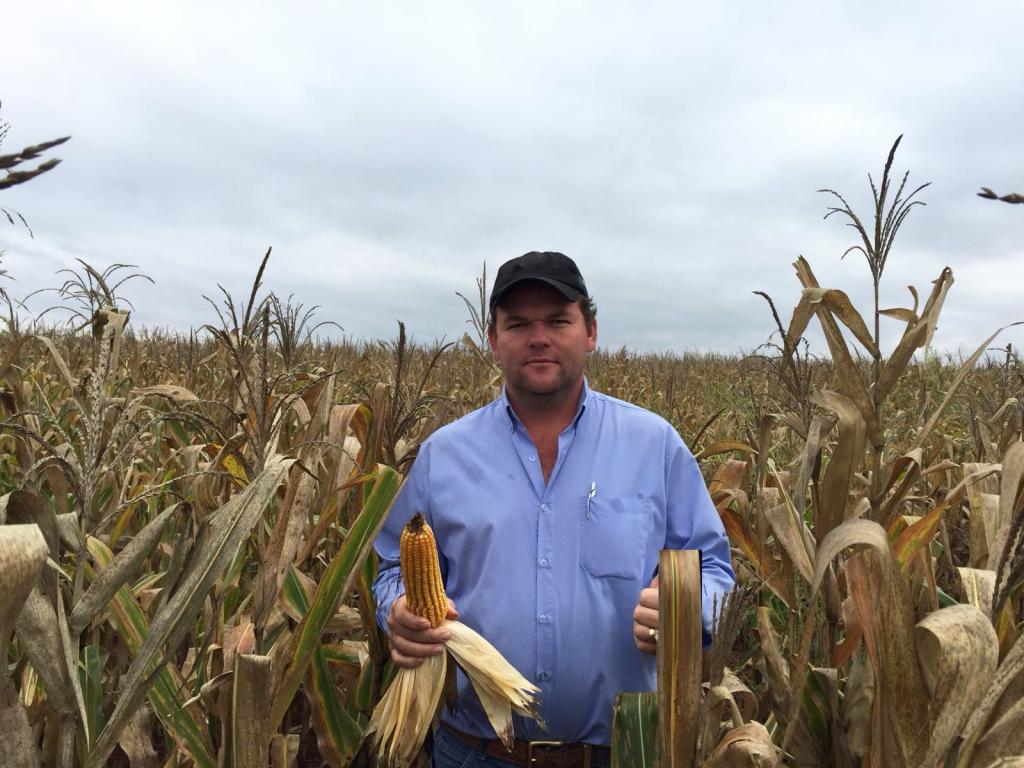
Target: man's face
540, 340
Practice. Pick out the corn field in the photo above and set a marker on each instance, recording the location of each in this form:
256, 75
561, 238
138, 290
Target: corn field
186, 528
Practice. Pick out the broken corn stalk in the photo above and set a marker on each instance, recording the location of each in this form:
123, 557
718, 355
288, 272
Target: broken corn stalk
406, 711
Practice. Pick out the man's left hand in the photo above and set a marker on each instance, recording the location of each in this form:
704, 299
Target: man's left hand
645, 619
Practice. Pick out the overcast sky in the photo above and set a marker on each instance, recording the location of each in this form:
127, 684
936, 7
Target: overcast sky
386, 150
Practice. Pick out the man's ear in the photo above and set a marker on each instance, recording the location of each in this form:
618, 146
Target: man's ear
592, 335
492, 336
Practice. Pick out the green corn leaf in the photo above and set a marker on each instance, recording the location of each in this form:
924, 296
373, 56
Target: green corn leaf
229, 527
337, 582
361, 699
338, 735
816, 709
164, 693
338, 731
635, 730
90, 678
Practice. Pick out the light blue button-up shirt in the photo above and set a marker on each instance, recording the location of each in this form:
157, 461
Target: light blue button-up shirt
550, 573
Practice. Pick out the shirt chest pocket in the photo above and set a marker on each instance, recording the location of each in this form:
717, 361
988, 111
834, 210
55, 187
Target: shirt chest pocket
613, 536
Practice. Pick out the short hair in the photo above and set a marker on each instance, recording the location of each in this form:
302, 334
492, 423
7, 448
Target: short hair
586, 304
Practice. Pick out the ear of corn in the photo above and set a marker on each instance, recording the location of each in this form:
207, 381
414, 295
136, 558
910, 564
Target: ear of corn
405, 712
421, 572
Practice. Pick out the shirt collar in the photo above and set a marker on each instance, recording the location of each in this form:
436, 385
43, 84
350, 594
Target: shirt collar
515, 423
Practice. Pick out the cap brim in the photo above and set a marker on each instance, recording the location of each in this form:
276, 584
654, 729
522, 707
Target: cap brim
569, 292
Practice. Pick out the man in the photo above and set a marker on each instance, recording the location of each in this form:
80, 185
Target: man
550, 507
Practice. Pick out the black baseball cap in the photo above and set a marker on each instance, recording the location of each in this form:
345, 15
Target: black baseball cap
555, 269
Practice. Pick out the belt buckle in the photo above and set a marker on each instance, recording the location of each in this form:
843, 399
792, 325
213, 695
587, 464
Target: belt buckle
530, 745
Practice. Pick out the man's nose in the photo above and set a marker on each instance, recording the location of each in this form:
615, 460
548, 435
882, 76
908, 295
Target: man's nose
539, 334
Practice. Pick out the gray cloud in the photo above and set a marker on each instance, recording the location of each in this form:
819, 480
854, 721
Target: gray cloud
387, 151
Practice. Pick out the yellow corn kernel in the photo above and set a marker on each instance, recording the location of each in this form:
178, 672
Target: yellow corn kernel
421, 572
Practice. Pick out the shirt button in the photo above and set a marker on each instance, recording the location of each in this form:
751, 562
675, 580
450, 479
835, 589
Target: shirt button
543, 562
543, 618
543, 675
545, 508
533, 458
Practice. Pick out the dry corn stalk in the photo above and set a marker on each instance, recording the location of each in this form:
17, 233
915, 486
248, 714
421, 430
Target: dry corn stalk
407, 710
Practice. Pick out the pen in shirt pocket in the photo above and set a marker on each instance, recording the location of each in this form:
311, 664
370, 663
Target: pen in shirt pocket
591, 495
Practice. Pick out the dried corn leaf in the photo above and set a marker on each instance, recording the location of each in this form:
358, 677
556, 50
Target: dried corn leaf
405, 712
294, 514
717, 706
918, 535
858, 707
808, 461
23, 551
745, 698
846, 457
723, 446
284, 750
984, 518
933, 307
17, 744
802, 314
501, 688
788, 532
762, 560
908, 316
137, 740
851, 383
172, 391
840, 305
732, 475
1004, 738
965, 368
1007, 675
854, 634
250, 711
914, 337
745, 746
958, 651
776, 670
979, 588
38, 633
906, 470
125, 566
679, 655
1009, 489
887, 618
804, 748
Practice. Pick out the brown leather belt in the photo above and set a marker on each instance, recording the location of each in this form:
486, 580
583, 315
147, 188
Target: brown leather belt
537, 754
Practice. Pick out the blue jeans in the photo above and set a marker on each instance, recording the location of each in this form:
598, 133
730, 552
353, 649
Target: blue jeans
450, 752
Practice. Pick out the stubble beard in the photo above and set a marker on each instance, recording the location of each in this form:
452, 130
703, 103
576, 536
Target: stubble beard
550, 393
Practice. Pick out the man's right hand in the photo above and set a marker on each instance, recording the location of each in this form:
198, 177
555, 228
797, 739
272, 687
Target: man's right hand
411, 638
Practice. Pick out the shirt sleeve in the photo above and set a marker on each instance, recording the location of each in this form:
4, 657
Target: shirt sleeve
694, 523
413, 497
